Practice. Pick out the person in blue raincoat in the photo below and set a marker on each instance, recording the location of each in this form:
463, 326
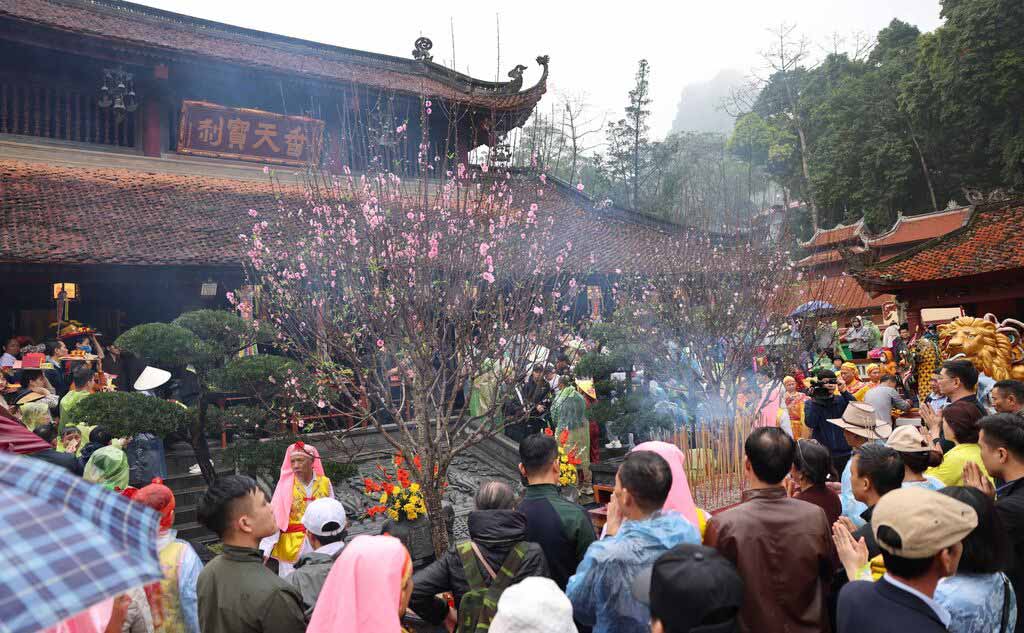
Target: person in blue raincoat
638, 531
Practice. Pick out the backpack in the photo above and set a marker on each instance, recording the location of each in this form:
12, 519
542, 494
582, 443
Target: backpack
480, 603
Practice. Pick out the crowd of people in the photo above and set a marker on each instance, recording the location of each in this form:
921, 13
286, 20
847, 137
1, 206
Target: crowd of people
850, 520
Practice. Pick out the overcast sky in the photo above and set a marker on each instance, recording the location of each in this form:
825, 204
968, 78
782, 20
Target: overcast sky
594, 46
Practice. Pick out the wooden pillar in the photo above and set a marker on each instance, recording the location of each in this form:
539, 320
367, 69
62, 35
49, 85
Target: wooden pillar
151, 127
152, 111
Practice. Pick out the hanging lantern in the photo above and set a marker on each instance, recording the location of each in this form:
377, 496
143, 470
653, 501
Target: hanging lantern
70, 291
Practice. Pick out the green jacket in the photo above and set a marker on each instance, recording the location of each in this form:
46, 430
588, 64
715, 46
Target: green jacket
561, 528
237, 594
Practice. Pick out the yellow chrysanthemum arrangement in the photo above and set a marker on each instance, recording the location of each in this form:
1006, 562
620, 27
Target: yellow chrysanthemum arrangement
568, 459
398, 496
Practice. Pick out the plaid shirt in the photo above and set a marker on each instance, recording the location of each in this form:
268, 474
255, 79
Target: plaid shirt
67, 544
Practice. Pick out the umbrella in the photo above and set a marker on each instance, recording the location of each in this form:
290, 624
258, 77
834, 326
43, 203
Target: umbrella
68, 544
812, 306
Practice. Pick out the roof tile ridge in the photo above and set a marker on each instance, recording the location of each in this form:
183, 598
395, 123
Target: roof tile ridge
975, 211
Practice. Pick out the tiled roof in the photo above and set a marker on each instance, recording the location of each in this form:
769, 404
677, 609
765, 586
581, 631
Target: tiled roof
837, 235
825, 257
842, 291
992, 241
90, 215
170, 34
917, 228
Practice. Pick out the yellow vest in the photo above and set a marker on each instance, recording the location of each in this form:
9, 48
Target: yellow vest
290, 542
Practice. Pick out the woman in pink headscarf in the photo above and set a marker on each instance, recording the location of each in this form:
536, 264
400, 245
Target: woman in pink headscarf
679, 497
302, 480
368, 588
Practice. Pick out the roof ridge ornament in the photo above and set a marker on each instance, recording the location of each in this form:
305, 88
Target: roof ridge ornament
999, 194
421, 52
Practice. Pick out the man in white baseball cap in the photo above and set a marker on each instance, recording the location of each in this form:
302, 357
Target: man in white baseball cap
325, 523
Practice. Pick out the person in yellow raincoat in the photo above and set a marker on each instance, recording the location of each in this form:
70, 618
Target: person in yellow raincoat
302, 480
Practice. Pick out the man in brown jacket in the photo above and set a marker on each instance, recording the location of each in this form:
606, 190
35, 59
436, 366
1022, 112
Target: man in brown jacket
781, 546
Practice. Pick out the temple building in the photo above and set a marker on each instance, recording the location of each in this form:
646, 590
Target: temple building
133, 141
830, 253
976, 268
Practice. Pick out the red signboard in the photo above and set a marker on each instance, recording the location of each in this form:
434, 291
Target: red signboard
208, 129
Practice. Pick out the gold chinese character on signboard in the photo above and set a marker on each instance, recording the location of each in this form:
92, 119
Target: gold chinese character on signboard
238, 129
266, 132
211, 133
295, 140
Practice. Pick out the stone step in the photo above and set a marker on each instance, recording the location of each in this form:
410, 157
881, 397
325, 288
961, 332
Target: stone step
188, 497
192, 531
187, 480
184, 514
178, 462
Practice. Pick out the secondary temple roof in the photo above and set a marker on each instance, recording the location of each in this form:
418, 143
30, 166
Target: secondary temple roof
908, 229
990, 242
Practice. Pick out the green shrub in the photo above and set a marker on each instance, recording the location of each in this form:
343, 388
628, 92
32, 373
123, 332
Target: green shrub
161, 344
244, 419
597, 365
249, 375
339, 471
222, 332
125, 414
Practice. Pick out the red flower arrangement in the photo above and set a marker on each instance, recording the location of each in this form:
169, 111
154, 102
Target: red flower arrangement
398, 496
568, 458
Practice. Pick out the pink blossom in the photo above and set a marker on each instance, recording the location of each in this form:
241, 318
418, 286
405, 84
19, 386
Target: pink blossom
321, 404
502, 341
410, 215
380, 343
484, 168
253, 213
538, 310
266, 169
572, 283
429, 111
484, 247
488, 277
544, 178
579, 187
427, 103
533, 207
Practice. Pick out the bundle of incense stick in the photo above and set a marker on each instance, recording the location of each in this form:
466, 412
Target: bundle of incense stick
714, 460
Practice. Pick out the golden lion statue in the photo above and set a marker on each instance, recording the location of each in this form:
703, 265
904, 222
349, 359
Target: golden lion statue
995, 348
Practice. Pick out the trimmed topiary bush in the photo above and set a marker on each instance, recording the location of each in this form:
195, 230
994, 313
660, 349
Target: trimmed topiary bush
125, 414
163, 345
250, 375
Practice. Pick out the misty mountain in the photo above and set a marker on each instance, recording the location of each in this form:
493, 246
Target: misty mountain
700, 105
